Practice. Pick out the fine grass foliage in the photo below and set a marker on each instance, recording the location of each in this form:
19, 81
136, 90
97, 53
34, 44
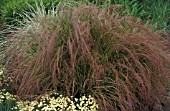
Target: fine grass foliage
157, 12
80, 49
12, 11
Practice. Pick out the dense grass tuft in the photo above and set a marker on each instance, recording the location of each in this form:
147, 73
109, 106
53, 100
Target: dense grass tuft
80, 50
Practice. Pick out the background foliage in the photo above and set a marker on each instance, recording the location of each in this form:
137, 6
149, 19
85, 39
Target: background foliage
157, 12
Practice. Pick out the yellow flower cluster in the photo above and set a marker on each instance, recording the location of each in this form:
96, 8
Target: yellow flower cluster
4, 82
6, 96
1, 71
56, 102
86, 103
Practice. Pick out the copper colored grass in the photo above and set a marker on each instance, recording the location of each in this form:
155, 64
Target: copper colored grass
90, 51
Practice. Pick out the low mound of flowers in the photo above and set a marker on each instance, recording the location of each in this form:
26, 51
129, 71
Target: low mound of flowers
56, 102
49, 102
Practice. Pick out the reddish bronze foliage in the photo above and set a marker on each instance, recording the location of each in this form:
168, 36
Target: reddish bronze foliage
90, 51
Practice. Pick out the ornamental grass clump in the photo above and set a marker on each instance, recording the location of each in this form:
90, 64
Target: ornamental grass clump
81, 49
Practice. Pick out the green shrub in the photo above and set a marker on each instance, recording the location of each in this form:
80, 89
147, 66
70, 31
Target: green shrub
79, 49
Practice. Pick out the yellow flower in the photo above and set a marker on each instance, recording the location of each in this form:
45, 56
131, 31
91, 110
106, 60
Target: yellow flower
1, 71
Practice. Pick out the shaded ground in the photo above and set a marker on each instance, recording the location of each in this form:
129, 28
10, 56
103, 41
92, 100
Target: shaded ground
166, 102
166, 99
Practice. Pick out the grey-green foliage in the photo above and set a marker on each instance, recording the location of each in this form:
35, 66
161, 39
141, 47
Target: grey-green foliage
12, 11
